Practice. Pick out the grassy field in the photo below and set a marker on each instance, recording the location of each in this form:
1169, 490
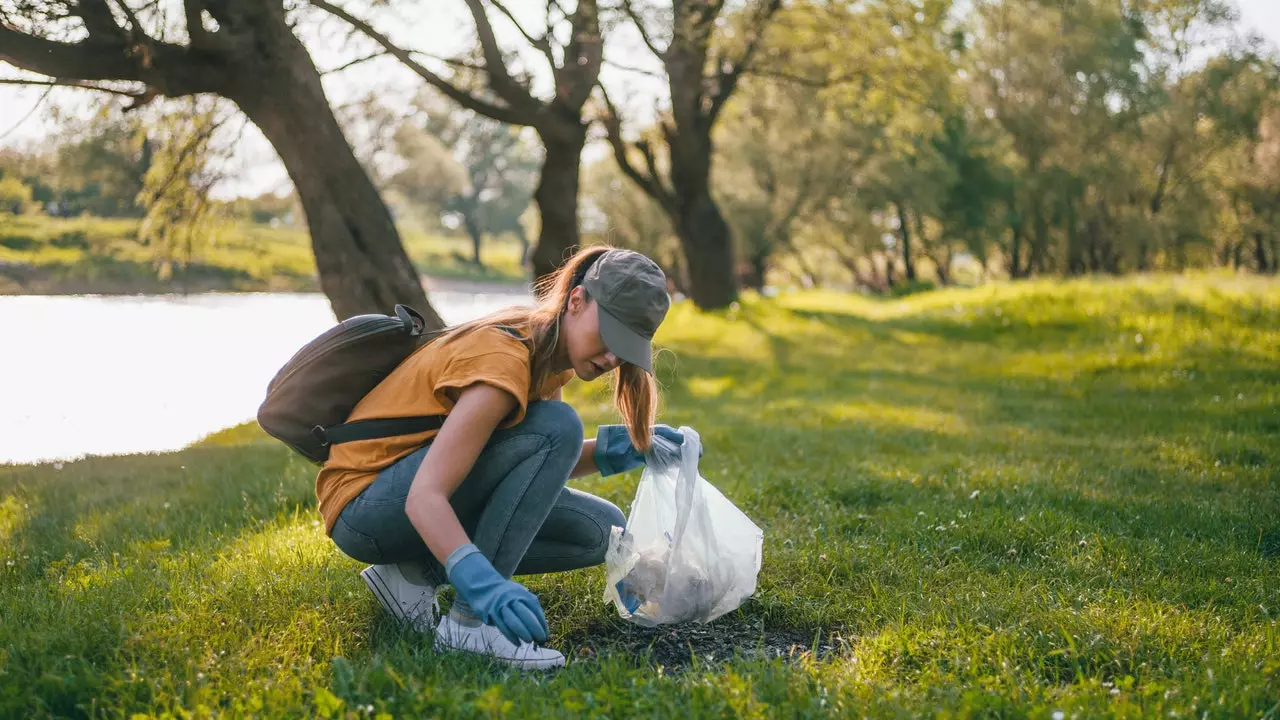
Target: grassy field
1041, 500
44, 255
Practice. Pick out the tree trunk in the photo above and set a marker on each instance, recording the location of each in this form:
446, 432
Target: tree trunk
557, 195
1075, 251
523, 238
472, 224
708, 248
1260, 251
362, 264
1040, 241
1015, 252
757, 265
906, 242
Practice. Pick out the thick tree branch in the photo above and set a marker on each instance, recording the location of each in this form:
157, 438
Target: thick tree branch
639, 23
135, 31
166, 69
201, 38
542, 44
651, 184
500, 80
463, 98
72, 61
583, 55
98, 20
731, 73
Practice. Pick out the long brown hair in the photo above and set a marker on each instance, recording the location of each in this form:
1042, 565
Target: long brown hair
635, 395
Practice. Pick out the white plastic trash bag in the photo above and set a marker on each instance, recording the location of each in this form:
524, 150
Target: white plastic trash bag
687, 553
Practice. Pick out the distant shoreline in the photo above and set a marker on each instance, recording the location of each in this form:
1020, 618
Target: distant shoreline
78, 287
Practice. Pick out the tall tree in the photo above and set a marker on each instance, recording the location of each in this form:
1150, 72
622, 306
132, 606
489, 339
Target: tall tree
703, 68
245, 51
572, 46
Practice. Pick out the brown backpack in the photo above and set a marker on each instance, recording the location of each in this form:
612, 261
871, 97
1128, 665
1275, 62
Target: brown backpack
311, 397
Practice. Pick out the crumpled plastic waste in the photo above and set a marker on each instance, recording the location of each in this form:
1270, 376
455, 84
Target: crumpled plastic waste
687, 553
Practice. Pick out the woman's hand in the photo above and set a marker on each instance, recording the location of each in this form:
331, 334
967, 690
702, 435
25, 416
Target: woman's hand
503, 603
614, 452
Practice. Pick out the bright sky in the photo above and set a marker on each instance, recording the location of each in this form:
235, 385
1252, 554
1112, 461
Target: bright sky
445, 31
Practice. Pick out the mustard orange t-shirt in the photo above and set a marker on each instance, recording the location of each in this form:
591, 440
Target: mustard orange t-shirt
420, 386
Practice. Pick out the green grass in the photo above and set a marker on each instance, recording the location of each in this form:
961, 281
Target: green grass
44, 255
991, 502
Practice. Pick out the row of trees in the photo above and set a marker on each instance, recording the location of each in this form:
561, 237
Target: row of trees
870, 142
888, 139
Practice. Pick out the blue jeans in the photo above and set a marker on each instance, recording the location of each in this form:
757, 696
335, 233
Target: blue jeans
513, 504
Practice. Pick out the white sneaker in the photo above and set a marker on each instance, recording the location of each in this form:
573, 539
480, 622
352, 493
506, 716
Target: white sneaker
488, 640
410, 602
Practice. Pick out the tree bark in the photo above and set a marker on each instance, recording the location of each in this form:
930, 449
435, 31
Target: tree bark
363, 267
557, 195
708, 247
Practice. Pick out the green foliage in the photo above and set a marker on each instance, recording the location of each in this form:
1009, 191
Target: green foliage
1015, 501
181, 218
15, 195
1037, 137
98, 165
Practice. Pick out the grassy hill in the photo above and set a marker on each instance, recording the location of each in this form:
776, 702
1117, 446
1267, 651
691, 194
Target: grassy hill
44, 255
1020, 500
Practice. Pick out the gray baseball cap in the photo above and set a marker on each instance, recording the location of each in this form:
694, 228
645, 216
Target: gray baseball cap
631, 294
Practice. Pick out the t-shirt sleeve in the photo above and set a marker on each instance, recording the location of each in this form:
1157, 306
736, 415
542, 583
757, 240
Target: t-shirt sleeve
489, 360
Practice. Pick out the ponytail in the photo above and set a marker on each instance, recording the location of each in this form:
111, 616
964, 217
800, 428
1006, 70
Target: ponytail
635, 395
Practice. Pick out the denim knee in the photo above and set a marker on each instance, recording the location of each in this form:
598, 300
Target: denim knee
557, 421
612, 517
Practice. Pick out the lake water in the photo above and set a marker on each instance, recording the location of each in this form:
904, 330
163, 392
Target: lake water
98, 375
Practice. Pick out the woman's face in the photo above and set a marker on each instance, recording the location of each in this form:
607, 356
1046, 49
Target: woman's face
587, 353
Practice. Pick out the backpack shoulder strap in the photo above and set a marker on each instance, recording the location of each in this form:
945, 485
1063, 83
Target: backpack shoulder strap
377, 428
390, 427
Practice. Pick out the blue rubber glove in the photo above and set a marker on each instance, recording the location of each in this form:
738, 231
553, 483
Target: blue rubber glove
614, 452
503, 603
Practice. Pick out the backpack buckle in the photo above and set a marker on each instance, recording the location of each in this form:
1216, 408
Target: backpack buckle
318, 433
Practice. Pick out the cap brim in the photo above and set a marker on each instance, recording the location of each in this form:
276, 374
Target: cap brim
624, 342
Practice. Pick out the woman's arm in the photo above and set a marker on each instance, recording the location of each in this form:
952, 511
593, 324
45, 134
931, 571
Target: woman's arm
587, 462
452, 454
